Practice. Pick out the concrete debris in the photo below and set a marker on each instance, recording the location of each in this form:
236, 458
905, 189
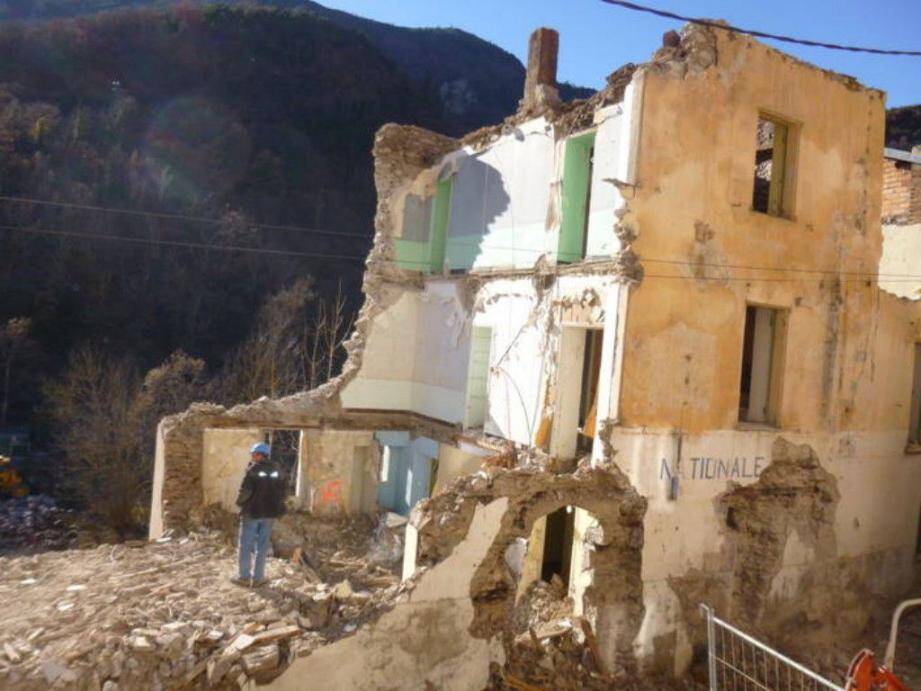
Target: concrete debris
35, 522
168, 616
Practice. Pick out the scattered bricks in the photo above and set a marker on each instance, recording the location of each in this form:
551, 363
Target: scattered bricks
240, 643
218, 666
262, 660
11, 653
171, 644
52, 670
316, 610
121, 629
141, 644
278, 634
343, 590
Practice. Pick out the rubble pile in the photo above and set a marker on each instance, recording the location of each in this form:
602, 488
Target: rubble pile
167, 616
35, 522
551, 647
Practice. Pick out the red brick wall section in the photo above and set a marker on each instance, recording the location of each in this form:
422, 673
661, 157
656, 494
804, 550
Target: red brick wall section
901, 192
914, 212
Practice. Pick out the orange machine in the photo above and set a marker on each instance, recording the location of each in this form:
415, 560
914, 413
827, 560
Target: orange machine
865, 675
11, 483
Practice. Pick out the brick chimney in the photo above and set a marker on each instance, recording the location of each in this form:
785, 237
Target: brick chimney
540, 82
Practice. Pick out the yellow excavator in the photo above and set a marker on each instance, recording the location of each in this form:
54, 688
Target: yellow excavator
11, 483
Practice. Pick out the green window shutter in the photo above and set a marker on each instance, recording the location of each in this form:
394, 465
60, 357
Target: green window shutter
424, 249
478, 377
576, 184
412, 255
441, 214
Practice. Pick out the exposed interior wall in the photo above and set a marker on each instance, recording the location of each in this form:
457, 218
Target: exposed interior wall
340, 471
224, 460
612, 139
502, 207
407, 470
456, 462
416, 356
508, 202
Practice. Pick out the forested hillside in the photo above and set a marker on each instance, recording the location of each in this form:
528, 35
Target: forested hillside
476, 82
186, 201
903, 127
246, 116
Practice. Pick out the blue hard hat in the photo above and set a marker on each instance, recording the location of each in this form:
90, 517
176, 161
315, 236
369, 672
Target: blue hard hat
262, 448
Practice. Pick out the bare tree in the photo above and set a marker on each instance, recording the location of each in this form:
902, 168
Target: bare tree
296, 344
324, 337
104, 416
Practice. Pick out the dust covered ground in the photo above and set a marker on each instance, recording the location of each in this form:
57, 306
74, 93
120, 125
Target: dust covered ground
166, 615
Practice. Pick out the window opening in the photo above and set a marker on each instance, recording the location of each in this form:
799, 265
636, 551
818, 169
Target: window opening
918, 543
588, 398
285, 445
771, 166
914, 427
558, 545
762, 348
577, 178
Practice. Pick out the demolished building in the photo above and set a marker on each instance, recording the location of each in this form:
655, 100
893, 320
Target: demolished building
643, 345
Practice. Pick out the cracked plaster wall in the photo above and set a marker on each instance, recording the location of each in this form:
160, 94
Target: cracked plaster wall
612, 596
848, 356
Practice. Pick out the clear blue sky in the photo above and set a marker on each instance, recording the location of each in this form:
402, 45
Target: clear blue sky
596, 38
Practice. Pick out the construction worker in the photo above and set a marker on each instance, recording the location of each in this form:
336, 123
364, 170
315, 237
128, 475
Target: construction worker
261, 500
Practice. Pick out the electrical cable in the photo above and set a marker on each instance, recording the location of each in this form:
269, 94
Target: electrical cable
178, 243
906, 278
179, 217
526, 250
760, 34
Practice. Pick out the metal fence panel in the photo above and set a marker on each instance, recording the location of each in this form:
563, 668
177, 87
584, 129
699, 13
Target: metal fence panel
738, 662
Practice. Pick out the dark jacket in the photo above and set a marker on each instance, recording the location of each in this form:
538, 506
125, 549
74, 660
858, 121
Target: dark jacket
262, 493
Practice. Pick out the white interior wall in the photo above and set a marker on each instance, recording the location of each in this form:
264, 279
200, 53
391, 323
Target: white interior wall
568, 390
416, 356
502, 198
525, 353
224, 460
605, 197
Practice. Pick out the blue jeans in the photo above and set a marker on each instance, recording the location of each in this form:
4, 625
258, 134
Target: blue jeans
254, 536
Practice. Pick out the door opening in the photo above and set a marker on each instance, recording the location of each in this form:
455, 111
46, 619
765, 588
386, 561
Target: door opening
588, 397
558, 545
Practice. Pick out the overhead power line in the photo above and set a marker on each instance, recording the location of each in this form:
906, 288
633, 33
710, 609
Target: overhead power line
180, 217
760, 34
180, 243
854, 276
524, 250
